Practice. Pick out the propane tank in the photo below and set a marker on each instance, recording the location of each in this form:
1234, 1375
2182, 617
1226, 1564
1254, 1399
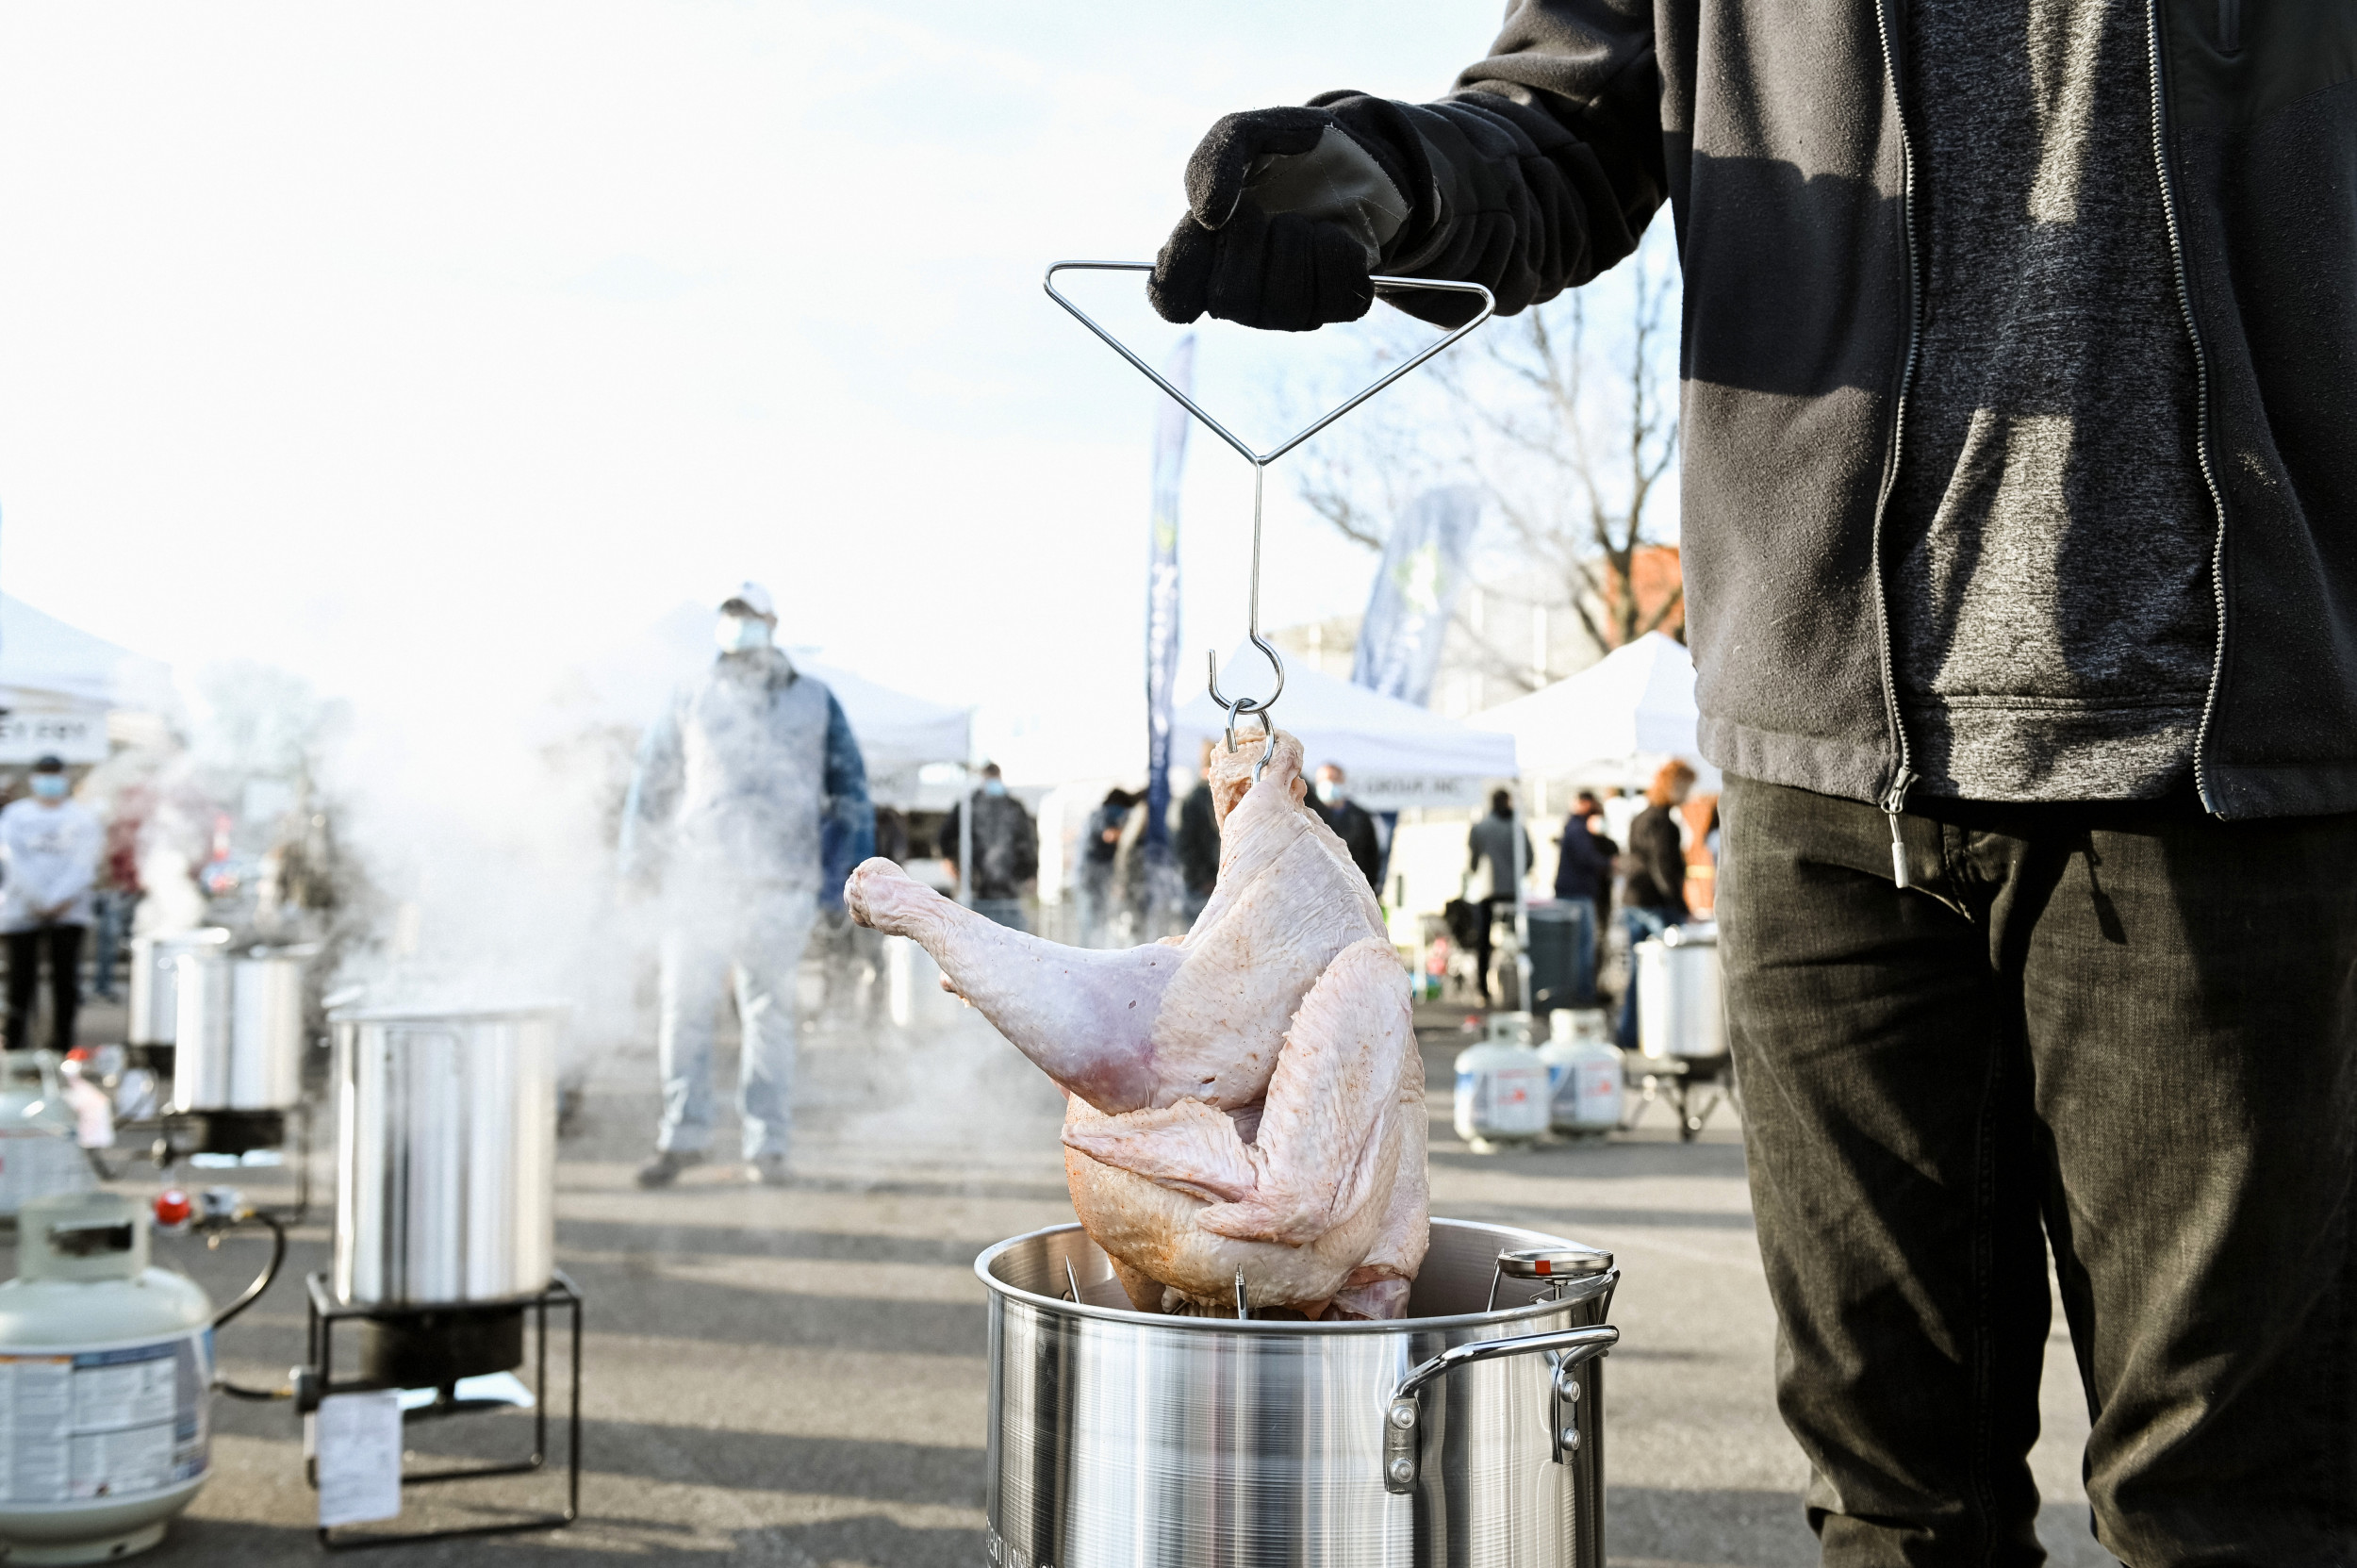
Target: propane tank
1501, 1087
39, 1154
107, 1365
1583, 1072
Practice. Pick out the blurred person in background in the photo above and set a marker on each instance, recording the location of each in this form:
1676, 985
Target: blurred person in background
1199, 839
1100, 847
50, 847
1494, 843
748, 809
1583, 877
1583, 866
1350, 822
1006, 850
1653, 886
892, 834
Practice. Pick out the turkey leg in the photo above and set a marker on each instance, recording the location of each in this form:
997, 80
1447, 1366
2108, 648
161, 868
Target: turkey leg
1084, 1017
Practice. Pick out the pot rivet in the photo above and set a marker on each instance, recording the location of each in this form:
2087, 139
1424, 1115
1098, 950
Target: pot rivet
1403, 1471
1403, 1415
1571, 1437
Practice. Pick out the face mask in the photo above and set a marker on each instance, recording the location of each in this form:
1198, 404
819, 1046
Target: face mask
1331, 793
49, 786
741, 634
994, 787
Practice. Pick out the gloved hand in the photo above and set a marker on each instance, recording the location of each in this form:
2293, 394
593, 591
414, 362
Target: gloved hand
1288, 212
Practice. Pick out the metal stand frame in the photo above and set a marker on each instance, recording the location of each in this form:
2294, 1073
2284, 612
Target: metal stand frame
326, 1311
1693, 1087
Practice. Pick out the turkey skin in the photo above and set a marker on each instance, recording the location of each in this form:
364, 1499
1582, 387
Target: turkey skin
1247, 1099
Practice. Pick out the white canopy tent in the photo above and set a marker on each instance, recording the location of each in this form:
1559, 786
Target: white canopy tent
1397, 756
1613, 722
899, 736
60, 683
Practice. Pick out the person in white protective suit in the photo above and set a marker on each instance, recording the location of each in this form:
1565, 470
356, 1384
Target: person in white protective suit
748, 809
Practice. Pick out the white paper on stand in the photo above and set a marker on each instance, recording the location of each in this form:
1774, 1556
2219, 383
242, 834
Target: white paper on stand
359, 1457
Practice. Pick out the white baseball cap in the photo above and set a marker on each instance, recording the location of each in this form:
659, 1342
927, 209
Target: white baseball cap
753, 597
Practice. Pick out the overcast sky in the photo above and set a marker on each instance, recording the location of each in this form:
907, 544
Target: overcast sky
429, 349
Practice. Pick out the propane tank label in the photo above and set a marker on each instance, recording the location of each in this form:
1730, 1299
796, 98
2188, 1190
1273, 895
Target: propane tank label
34, 1165
112, 1423
1500, 1102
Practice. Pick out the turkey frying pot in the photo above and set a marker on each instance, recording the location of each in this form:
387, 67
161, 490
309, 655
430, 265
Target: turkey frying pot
1462, 1436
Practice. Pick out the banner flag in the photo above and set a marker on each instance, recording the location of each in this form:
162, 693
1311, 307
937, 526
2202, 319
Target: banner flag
1161, 597
1407, 615
1415, 594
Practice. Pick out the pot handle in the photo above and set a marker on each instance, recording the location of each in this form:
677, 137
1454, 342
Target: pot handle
1403, 1413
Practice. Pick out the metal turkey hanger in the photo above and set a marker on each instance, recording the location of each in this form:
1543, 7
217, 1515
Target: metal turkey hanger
1238, 707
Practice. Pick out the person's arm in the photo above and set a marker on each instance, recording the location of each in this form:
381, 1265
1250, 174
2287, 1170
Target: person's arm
945, 843
1665, 859
655, 785
846, 830
1368, 851
1538, 172
76, 868
1026, 846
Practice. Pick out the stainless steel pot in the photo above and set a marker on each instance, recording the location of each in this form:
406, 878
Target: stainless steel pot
155, 983
446, 1157
1679, 1009
239, 1036
1469, 1434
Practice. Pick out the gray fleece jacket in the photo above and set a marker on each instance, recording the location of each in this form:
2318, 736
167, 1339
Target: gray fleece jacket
1841, 507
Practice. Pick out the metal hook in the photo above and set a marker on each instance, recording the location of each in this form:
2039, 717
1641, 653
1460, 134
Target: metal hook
1244, 1309
1238, 707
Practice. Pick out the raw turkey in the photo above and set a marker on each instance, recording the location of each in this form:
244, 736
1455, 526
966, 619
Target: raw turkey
1247, 1097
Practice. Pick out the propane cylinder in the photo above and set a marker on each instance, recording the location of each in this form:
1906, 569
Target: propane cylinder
108, 1368
1501, 1087
1584, 1081
39, 1151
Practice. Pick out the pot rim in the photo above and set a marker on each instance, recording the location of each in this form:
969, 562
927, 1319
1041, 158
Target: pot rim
1582, 1288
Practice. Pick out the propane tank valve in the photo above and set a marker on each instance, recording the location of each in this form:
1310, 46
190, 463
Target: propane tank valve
172, 1211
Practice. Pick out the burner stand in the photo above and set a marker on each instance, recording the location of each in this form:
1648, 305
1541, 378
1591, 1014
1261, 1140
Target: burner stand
446, 1343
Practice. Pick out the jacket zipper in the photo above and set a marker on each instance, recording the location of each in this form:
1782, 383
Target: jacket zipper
2201, 393
1901, 778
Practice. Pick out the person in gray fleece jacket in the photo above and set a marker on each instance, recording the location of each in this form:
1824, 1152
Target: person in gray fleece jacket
2019, 512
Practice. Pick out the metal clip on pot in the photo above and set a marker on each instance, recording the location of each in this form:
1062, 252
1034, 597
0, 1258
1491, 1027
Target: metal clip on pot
1240, 707
1568, 1350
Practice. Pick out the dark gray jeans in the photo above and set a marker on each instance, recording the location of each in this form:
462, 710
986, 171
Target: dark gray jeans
2131, 1026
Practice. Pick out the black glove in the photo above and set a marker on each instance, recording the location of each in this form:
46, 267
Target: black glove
1288, 211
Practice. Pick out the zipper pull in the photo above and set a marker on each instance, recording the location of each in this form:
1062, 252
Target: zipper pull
1894, 803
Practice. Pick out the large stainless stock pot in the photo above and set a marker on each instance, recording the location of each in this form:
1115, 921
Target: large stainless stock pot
239, 1029
1469, 1434
446, 1155
155, 983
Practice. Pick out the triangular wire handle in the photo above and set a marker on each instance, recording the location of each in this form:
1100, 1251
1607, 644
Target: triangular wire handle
1238, 707
1263, 459
1219, 430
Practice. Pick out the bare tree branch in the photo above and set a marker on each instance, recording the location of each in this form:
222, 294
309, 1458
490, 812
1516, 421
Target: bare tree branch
1566, 418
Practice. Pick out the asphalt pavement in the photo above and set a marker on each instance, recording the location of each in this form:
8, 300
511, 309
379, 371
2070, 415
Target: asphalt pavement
796, 1377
